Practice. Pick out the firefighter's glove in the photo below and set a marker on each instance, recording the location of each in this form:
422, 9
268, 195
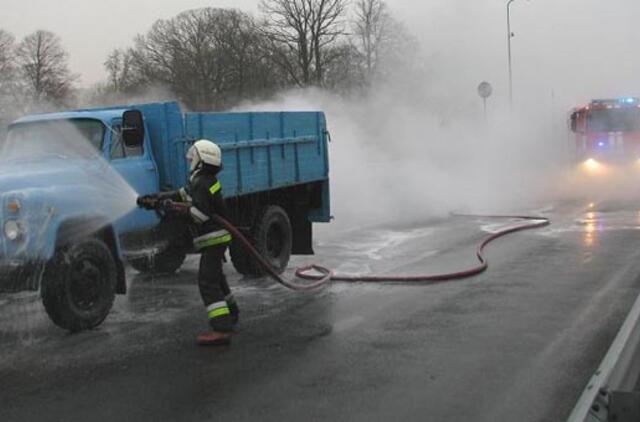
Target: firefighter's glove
148, 202
176, 209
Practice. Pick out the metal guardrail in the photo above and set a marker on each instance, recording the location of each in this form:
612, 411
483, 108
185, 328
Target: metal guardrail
610, 395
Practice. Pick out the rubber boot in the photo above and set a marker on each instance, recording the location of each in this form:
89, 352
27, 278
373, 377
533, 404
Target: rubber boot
233, 308
214, 338
235, 312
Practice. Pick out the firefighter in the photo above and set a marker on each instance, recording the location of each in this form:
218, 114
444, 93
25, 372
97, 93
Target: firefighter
200, 200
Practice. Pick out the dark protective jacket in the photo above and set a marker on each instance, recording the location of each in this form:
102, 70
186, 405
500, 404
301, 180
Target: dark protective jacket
204, 194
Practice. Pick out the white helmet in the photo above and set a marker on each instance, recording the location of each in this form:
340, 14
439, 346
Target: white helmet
204, 151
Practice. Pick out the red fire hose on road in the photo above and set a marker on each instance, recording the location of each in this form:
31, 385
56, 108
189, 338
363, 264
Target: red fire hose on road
325, 275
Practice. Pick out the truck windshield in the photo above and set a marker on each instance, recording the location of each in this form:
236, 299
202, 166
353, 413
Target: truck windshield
73, 138
614, 120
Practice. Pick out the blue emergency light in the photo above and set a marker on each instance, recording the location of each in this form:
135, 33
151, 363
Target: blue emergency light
616, 101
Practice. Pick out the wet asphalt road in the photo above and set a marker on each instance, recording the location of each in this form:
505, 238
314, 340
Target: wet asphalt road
517, 343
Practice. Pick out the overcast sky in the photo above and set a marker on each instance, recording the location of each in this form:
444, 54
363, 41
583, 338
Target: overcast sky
575, 48
90, 29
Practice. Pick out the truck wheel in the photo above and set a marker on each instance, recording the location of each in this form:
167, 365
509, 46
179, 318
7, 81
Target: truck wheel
78, 286
272, 237
167, 261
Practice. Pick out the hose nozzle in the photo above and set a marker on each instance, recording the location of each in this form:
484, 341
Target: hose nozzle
148, 202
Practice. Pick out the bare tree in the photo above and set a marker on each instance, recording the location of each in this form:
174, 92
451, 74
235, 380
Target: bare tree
124, 83
215, 58
119, 69
384, 43
345, 72
210, 58
371, 29
43, 64
7, 76
6, 56
300, 32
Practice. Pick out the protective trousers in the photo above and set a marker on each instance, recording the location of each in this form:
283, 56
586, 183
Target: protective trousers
220, 303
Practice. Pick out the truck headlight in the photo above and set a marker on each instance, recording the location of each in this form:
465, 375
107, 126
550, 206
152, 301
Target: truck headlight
594, 167
12, 230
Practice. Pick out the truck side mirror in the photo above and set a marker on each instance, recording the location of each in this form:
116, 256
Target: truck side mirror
574, 122
132, 128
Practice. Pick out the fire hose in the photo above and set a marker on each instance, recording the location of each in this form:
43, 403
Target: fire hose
324, 275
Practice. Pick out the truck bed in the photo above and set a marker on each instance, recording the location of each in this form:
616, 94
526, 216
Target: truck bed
261, 151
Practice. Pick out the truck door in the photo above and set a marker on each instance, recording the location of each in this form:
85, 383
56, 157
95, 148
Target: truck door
137, 167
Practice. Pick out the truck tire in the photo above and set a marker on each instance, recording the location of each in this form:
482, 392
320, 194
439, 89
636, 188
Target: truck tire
79, 284
272, 237
167, 261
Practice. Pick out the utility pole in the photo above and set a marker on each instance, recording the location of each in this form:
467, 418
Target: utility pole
509, 36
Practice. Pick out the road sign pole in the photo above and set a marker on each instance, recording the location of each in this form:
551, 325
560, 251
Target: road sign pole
484, 100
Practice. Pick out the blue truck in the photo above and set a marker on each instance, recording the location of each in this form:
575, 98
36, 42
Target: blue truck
68, 227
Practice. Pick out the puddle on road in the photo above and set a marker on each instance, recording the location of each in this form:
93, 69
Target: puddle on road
369, 252
595, 219
588, 219
376, 244
496, 227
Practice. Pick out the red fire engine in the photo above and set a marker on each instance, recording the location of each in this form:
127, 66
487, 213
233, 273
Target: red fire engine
607, 131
